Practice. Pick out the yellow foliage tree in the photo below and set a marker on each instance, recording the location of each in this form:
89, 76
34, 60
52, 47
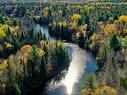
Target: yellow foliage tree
103, 89
45, 11
41, 52
74, 24
75, 17
87, 91
8, 45
109, 29
123, 18
2, 33
12, 29
3, 65
95, 37
83, 27
64, 23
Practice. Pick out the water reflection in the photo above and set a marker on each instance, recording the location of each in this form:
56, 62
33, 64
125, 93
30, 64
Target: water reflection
82, 62
70, 85
44, 29
76, 68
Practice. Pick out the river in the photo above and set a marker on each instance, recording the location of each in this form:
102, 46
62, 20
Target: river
82, 62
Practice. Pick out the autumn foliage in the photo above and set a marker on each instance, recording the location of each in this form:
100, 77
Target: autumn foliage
103, 89
25, 51
123, 18
75, 16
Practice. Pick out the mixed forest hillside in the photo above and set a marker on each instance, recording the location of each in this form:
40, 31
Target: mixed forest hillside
29, 60
56, 1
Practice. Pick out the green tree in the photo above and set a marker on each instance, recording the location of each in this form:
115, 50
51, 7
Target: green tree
114, 42
101, 58
89, 81
16, 89
81, 40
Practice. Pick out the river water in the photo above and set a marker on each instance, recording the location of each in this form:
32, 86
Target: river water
82, 62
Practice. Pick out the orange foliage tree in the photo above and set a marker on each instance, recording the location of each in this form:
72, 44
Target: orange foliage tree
25, 51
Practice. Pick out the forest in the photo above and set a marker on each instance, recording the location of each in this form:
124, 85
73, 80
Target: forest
29, 59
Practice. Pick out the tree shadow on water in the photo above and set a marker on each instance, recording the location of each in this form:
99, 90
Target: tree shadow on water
60, 90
